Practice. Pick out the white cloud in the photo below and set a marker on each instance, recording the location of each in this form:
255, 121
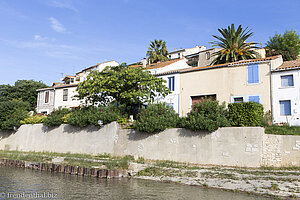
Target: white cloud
57, 26
39, 38
62, 4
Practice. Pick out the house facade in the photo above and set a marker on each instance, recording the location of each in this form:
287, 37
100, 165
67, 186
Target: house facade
242, 81
61, 95
169, 71
181, 53
286, 93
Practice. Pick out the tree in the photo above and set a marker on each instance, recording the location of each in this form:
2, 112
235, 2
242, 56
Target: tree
287, 45
24, 90
157, 51
129, 86
11, 112
234, 45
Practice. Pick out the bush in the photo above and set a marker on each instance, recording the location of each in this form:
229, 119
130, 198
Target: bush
12, 112
56, 118
155, 118
206, 115
246, 114
36, 119
91, 115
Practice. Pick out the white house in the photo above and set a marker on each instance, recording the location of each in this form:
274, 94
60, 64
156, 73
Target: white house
169, 71
286, 93
181, 53
62, 94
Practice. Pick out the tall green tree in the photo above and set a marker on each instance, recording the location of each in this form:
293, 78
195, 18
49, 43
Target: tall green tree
129, 86
157, 51
234, 45
24, 90
287, 45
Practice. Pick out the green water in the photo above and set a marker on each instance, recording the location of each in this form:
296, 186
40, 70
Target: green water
19, 183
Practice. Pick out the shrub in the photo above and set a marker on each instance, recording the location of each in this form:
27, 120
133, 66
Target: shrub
207, 115
56, 118
91, 115
36, 119
246, 114
11, 113
155, 118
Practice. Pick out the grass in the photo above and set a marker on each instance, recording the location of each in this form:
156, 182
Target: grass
83, 160
282, 130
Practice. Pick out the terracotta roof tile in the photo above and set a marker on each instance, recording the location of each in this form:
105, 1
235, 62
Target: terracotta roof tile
289, 65
162, 64
230, 64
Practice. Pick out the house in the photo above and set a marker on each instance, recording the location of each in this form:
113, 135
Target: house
62, 94
286, 93
169, 71
242, 81
205, 57
181, 53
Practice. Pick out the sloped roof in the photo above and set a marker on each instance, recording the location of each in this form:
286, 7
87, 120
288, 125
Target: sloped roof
286, 65
159, 64
230, 64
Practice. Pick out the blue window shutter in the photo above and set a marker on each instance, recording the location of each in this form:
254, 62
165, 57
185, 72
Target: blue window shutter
253, 73
173, 83
254, 99
250, 74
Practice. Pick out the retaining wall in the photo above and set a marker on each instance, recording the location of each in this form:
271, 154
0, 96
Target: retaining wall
238, 146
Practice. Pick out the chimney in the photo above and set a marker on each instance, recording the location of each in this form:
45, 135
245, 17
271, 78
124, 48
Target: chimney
144, 62
175, 49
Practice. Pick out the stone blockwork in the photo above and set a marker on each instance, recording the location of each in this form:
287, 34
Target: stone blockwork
232, 146
281, 150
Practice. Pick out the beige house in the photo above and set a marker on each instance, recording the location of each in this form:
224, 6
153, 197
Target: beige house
242, 81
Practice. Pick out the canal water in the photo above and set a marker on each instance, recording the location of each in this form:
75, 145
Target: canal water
28, 184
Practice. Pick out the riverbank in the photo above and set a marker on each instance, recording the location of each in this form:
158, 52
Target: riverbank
271, 182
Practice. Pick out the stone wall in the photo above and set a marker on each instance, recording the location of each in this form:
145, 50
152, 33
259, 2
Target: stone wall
281, 150
239, 146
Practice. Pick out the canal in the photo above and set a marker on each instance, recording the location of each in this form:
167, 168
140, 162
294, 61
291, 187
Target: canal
18, 183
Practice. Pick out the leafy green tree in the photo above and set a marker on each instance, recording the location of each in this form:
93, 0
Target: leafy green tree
234, 45
128, 86
157, 51
287, 45
24, 90
12, 112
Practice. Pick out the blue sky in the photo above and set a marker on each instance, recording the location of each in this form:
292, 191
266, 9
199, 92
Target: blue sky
40, 39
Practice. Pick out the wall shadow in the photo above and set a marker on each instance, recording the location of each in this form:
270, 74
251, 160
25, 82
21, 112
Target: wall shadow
6, 134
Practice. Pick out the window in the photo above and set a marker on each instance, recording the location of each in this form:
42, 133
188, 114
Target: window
72, 80
238, 100
207, 55
197, 99
287, 81
171, 105
253, 74
178, 55
254, 99
285, 107
47, 97
65, 95
171, 83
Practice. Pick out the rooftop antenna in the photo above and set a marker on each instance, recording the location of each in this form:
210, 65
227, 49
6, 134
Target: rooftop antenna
62, 75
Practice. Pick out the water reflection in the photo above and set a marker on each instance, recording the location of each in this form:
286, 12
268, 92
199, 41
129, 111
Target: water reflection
16, 181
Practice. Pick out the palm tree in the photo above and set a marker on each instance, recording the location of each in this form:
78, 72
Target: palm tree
157, 51
234, 45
